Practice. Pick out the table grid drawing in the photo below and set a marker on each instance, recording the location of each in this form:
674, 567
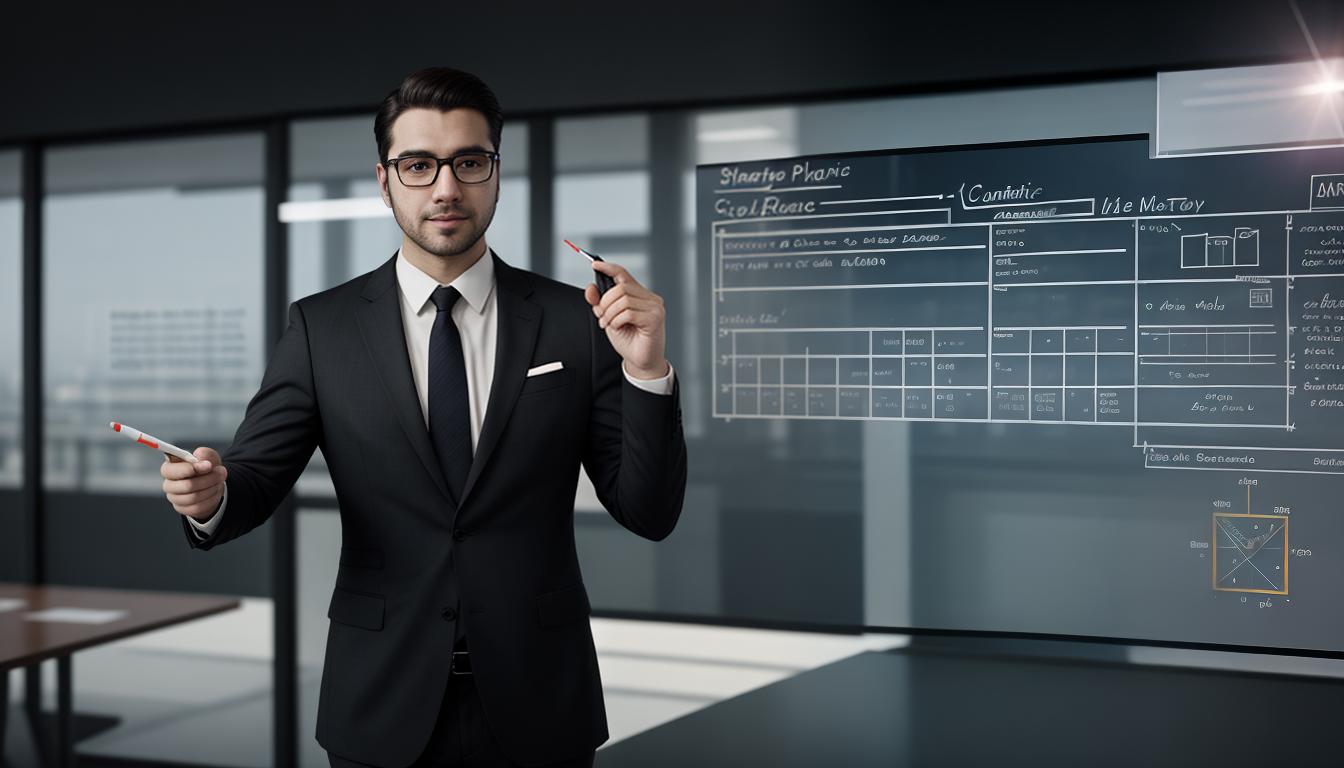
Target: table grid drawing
1127, 355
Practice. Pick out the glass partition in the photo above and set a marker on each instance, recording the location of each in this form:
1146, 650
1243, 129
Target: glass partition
602, 194
796, 522
152, 311
13, 556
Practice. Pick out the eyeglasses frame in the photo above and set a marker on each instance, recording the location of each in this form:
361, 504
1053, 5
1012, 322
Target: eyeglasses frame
442, 161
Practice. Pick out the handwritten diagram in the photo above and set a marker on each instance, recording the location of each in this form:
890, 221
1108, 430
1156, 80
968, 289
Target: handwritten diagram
1070, 285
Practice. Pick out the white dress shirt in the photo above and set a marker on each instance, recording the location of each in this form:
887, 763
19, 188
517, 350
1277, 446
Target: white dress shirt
476, 319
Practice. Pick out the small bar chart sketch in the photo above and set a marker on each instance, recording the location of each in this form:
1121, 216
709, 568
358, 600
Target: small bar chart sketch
1250, 553
1213, 329
1240, 249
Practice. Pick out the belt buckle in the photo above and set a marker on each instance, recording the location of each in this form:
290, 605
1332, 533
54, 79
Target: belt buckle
461, 664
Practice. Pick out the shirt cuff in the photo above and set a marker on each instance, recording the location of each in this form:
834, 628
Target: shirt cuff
659, 386
206, 529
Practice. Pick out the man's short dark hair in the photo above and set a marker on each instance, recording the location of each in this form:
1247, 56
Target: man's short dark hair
441, 88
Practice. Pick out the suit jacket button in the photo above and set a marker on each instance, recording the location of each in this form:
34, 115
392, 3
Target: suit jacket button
459, 534
449, 614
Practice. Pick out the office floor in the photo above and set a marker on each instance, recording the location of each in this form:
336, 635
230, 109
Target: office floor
200, 694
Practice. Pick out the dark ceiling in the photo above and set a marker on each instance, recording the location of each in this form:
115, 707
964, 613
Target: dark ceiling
68, 74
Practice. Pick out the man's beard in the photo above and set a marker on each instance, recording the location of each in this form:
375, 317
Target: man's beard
445, 246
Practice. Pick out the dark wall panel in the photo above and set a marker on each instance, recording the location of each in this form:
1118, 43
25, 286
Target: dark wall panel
13, 550
107, 70
134, 542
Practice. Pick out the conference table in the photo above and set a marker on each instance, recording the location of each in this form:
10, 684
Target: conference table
38, 623
954, 707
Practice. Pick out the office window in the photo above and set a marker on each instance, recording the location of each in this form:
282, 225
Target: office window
602, 194
152, 310
12, 553
607, 181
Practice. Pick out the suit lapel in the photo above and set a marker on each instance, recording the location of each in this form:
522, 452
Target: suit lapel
379, 319
519, 322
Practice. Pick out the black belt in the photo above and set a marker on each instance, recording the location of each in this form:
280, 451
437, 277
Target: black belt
461, 664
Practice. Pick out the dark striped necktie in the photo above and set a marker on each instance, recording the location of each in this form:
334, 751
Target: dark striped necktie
449, 410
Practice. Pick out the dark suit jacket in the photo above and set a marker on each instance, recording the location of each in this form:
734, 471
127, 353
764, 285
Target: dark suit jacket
413, 564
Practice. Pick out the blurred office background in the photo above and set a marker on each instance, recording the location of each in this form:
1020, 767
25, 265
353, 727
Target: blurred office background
179, 173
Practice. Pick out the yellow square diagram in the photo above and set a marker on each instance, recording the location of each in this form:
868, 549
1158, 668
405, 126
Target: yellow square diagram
1250, 553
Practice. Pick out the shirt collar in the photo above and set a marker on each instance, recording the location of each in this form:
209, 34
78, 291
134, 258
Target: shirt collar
475, 284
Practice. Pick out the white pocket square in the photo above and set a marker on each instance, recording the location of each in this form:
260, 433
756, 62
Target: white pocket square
545, 368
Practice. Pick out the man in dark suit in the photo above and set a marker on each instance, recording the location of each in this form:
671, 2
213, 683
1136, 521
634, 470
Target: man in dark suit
455, 398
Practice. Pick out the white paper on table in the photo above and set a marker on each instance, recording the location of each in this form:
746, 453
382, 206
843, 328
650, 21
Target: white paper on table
76, 615
11, 604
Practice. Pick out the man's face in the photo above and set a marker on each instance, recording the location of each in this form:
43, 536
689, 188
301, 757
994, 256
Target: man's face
448, 218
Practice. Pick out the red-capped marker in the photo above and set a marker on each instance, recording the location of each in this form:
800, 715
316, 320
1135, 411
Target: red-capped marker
604, 281
153, 442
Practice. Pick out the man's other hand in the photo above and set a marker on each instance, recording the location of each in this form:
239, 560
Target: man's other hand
195, 489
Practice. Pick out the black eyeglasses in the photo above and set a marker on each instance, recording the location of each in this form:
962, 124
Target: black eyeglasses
423, 170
